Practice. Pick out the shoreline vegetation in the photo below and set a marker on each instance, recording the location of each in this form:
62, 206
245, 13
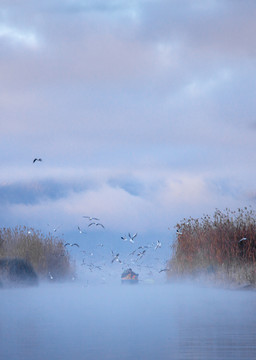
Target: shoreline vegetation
46, 254
220, 250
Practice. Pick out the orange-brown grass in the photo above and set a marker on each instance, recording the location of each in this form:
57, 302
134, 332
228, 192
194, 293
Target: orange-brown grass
46, 254
212, 245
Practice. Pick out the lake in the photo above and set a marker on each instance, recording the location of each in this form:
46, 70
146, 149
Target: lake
165, 321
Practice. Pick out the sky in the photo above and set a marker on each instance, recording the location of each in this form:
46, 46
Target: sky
142, 111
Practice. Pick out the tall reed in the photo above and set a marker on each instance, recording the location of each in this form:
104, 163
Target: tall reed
226, 241
46, 254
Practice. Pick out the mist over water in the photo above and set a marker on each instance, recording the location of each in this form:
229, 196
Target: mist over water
166, 321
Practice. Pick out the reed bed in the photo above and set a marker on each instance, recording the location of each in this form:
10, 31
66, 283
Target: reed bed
221, 247
46, 254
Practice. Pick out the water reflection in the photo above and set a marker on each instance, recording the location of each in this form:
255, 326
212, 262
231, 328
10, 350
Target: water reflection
124, 322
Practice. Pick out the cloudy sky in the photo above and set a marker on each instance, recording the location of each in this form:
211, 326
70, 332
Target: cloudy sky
143, 112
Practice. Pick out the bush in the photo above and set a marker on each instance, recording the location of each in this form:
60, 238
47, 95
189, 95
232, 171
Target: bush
224, 244
46, 254
17, 271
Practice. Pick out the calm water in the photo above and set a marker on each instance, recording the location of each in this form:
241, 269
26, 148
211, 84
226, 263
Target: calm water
127, 322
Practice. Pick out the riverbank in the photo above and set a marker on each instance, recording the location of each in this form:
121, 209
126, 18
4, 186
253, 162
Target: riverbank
23, 249
220, 249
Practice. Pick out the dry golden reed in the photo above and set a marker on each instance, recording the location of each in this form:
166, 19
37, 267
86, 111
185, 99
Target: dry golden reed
46, 254
224, 244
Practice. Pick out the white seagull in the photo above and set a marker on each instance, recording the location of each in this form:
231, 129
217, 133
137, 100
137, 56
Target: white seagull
90, 218
131, 238
158, 245
55, 228
80, 230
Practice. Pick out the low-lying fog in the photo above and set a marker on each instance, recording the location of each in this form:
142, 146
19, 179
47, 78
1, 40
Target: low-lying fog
157, 321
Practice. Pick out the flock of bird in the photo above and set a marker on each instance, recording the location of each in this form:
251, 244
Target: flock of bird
132, 258
129, 260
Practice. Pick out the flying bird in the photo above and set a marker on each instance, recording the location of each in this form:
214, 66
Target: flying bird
124, 238
90, 218
116, 258
96, 224
55, 228
158, 245
164, 270
37, 159
98, 267
131, 238
75, 244
140, 254
133, 252
80, 230
243, 239
140, 247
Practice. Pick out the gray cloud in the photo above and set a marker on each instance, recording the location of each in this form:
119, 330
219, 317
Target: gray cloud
121, 89
218, 27
32, 193
132, 186
93, 6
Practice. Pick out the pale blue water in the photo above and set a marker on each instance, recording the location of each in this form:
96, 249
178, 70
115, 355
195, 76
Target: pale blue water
127, 322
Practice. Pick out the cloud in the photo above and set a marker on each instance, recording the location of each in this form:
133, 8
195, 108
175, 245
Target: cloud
145, 201
31, 193
14, 35
95, 6
131, 186
219, 28
142, 111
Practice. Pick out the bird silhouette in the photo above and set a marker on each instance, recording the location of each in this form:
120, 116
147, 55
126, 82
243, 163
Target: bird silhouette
97, 224
140, 254
37, 159
116, 258
75, 244
163, 270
